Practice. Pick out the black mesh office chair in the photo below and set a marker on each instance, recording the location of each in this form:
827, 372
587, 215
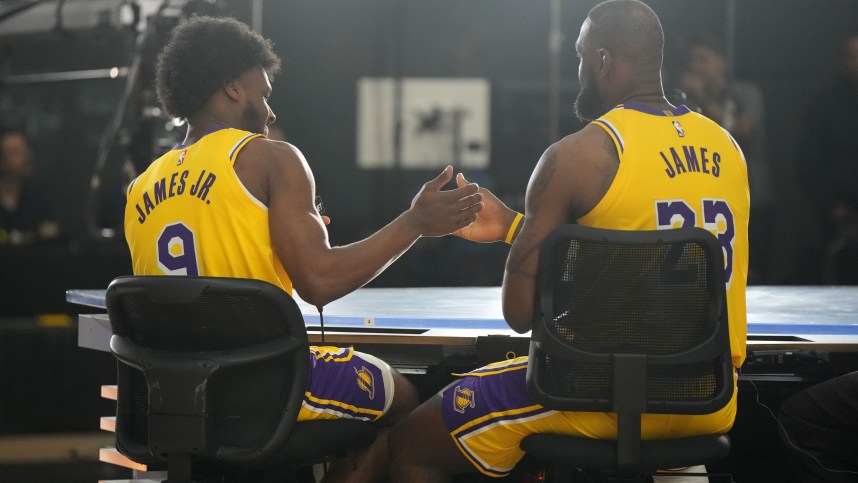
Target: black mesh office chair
631, 323
211, 375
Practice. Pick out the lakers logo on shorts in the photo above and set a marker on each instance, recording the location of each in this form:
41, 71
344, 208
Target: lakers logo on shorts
463, 399
366, 381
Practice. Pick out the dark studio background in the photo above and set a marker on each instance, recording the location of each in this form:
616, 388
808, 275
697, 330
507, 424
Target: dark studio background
789, 48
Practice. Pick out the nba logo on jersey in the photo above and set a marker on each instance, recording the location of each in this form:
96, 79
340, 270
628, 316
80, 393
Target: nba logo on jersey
181, 157
463, 399
679, 129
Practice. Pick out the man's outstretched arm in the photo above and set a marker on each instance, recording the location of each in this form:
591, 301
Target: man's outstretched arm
321, 273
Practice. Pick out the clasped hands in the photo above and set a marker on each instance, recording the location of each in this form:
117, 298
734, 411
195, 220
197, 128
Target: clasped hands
467, 211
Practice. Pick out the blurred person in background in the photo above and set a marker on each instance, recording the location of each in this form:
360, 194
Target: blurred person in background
828, 167
24, 214
738, 107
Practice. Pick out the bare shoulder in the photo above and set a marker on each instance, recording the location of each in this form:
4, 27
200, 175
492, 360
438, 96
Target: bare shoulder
262, 150
581, 165
590, 144
274, 157
264, 163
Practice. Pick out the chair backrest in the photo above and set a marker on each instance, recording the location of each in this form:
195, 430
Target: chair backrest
215, 368
631, 321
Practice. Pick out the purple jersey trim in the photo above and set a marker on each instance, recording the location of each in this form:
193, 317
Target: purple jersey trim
131, 185
507, 367
338, 409
676, 111
508, 417
614, 132
239, 144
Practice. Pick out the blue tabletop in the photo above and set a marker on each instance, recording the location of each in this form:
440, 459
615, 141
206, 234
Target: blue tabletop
794, 310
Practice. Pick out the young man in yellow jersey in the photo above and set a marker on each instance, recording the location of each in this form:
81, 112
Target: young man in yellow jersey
641, 164
229, 202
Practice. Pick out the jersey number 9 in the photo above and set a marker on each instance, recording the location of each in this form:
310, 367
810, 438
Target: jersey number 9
177, 251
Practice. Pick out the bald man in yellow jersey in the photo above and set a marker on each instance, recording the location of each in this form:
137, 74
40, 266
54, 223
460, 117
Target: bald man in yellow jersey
229, 202
641, 164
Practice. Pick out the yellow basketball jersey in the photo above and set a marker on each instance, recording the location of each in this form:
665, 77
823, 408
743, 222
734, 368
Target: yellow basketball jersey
189, 214
678, 168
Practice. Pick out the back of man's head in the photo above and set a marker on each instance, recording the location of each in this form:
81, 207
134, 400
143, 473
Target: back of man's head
202, 55
628, 29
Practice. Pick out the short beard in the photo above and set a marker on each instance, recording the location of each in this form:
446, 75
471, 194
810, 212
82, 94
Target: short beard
588, 104
252, 122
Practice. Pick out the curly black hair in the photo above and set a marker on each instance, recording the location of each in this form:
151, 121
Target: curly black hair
202, 55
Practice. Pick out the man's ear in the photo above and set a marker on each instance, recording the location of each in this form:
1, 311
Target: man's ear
604, 59
232, 90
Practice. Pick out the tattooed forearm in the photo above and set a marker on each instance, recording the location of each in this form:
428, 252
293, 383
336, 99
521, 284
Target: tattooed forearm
519, 257
517, 270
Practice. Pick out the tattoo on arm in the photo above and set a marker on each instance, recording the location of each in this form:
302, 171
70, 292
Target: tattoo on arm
516, 261
518, 257
540, 183
527, 243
